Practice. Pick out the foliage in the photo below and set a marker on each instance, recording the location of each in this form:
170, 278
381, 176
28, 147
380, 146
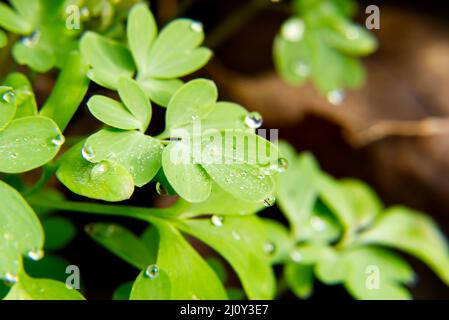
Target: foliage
337, 228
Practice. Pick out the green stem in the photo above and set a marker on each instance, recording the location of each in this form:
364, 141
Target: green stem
234, 22
48, 172
141, 213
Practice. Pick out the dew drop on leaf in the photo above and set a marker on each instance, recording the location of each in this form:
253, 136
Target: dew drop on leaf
58, 140
85, 13
36, 254
161, 190
31, 40
152, 271
317, 224
269, 201
11, 278
98, 170
8, 96
12, 155
296, 256
196, 26
336, 97
88, 153
269, 247
217, 220
293, 30
301, 68
282, 165
236, 235
254, 120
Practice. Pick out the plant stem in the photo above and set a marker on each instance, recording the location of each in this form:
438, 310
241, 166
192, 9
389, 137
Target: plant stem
234, 22
140, 213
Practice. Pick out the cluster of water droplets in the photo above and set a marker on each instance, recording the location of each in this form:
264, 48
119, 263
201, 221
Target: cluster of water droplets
152, 271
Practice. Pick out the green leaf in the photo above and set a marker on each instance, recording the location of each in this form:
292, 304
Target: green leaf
68, 93
335, 198
221, 202
146, 288
109, 59
121, 242
226, 115
374, 273
141, 32
241, 180
241, 243
105, 180
38, 56
113, 113
160, 91
20, 229
366, 204
138, 153
41, 289
26, 102
194, 100
299, 278
28, 143
59, 232
190, 275
49, 267
136, 101
8, 106
297, 191
12, 21
278, 243
188, 179
414, 233
219, 268
123, 292
175, 53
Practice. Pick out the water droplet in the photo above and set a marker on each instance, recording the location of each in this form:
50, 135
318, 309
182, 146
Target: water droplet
282, 165
336, 97
196, 26
98, 170
217, 220
152, 271
317, 223
194, 117
85, 13
261, 176
296, 256
269, 201
236, 236
13, 155
254, 120
36, 254
8, 96
301, 68
31, 40
88, 153
269, 247
58, 140
161, 190
293, 30
90, 73
11, 278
